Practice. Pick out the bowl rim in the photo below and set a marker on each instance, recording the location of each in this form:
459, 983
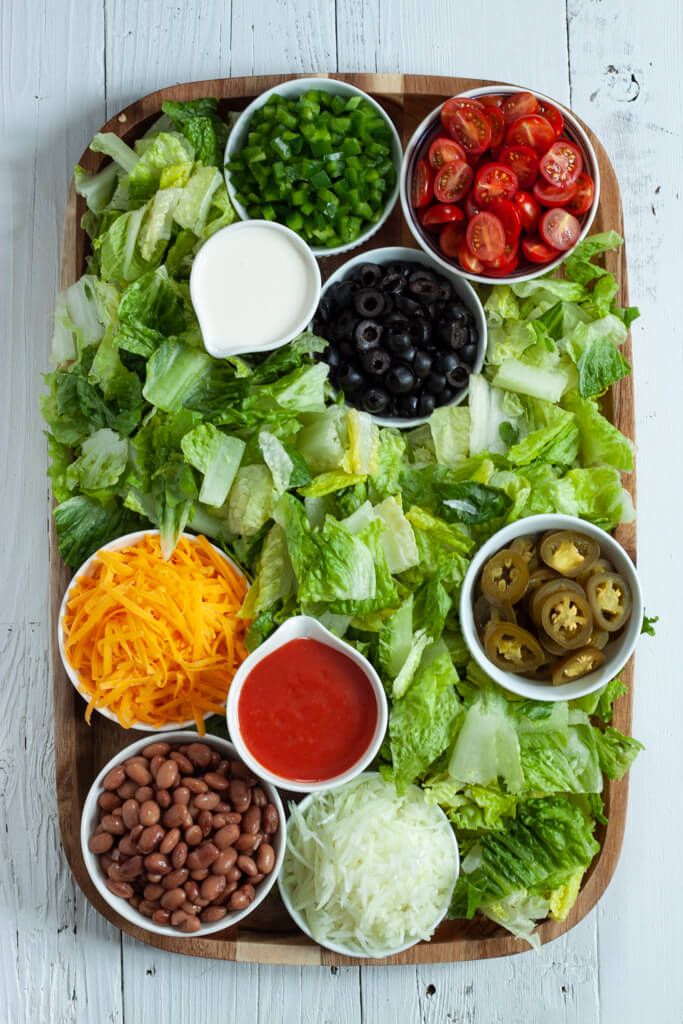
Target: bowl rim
125, 540
121, 906
300, 921
299, 85
312, 269
588, 152
389, 253
294, 628
530, 688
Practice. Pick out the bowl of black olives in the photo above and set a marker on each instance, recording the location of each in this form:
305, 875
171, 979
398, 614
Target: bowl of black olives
404, 335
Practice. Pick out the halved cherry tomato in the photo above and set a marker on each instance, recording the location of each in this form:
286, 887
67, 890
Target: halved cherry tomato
537, 251
497, 122
452, 181
443, 150
468, 261
552, 114
493, 100
471, 205
582, 200
519, 104
529, 211
468, 125
562, 164
532, 130
503, 269
559, 229
451, 237
524, 162
441, 213
486, 237
421, 187
551, 195
508, 214
494, 181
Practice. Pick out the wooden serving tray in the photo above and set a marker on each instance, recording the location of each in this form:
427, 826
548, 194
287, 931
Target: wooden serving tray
269, 935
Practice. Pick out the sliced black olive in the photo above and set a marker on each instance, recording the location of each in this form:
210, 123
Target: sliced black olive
421, 274
345, 324
445, 288
408, 354
455, 311
375, 400
423, 331
408, 405
369, 275
324, 308
400, 379
396, 318
468, 353
435, 383
398, 268
389, 304
347, 349
367, 334
369, 302
376, 361
393, 282
350, 379
445, 362
340, 293
426, 289
426, 404
458, 377
398, 338
319, 327
445, 397
422, 364
473, 335
452, 333
408, 306
332, 357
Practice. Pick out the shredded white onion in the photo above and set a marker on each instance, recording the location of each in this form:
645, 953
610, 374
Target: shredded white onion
369, 869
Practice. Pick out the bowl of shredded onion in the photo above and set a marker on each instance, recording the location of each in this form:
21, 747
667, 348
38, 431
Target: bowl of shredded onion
368, 871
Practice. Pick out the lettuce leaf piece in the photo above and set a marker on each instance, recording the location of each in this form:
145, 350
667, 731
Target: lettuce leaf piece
487, 413
396, 639
601, 443
600, 365
201, 124
158, 225
469, 502
101, 462
277, 460
563, 897
174, 370
561, 762
487, 748
553, 436
362, 455
274, 579
387, 479
470, 808
84, 525
217, 457
118, 249
330, 483
579, 266
442, 548
648, 627
398, 537
82, 312
536, 381
322, 440
111, 145
595, 494
616, 751
251, 501
193, 206
600, 704
450, 427
165, 150
422, 722
150, 309
96, 189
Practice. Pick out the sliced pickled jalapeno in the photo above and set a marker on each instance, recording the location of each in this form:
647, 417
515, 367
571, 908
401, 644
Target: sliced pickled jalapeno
505, 578
528, 549
568, 552
538, 576
602, 565
553, 586
567, 618
550, 645
577, 664
610, 599
599, 638
485, 612
512, 648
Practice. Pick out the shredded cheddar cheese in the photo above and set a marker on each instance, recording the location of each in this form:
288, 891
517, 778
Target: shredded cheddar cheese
154, 641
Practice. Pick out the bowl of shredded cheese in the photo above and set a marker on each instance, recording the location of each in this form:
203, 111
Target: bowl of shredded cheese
154, 643
368, 871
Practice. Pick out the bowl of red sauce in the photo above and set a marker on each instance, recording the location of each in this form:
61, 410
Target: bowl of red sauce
306, 710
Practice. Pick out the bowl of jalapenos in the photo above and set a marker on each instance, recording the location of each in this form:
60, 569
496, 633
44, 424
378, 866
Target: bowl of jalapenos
551, 607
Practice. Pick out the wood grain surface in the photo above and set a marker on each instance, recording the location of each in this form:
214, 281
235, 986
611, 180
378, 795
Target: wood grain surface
268, 936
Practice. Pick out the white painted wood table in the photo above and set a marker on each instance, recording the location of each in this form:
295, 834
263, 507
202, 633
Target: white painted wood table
68, 65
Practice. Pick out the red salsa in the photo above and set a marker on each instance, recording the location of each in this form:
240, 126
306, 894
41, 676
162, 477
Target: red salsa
307, 712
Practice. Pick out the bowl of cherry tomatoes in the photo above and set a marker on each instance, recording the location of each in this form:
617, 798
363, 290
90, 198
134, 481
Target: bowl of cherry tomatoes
500, 184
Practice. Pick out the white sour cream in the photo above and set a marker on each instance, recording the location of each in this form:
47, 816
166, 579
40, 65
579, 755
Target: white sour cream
254, 286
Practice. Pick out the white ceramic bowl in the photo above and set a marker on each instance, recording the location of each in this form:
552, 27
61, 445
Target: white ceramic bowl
211, 251
87, 570
297, 628
621, 649
415, 147
123, 907
301, 922
462, 288
296, 87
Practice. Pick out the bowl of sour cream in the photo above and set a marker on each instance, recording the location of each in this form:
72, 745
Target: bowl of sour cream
255, 286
